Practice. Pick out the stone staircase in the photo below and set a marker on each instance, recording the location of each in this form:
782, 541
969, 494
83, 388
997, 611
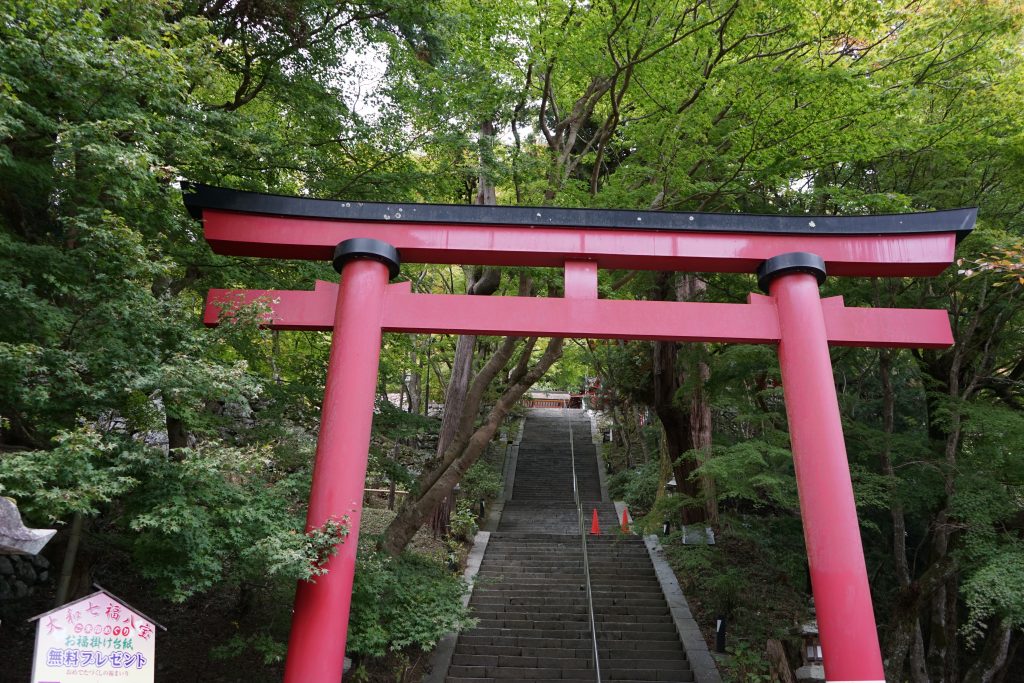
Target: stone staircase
530, 593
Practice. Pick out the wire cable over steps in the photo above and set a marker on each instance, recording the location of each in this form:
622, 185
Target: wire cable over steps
586, 558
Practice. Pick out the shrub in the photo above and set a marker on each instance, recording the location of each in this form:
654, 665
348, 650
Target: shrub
481, 481
402, 602
463, 520
617, 484
638, 487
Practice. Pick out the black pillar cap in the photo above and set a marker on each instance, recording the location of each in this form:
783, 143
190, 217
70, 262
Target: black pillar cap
364, 247
793, 262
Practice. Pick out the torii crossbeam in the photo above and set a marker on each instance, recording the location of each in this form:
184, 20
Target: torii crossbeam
791, 256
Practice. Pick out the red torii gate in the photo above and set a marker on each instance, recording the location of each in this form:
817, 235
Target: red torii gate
789, 254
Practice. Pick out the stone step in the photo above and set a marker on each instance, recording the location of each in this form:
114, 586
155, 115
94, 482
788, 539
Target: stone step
533, 540
533, 602
550, 673
533, 537
564, 606
524, 589
605, 572
563, 594
568, 557
569, 663
521, 662
573, 566
610, 571
514, 574
460, 679
621, 613
597, 545
597, 549
533, 643
513, 594
611, 631
613, 622
507, 673
479, 674
650, 653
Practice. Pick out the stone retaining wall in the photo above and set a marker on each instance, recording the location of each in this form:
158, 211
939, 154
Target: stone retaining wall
21, 574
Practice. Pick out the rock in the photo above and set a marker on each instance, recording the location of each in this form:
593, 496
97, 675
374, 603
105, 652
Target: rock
20, 589
15, 537
6, 566
43, 576
810, 673
6, 592
26, 573
696, 536
40, 562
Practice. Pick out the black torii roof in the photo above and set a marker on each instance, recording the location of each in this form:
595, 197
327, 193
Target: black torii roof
198, 197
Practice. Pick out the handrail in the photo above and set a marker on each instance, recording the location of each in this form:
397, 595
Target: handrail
586, 559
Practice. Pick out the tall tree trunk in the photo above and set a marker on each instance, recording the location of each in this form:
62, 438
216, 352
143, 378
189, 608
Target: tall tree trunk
665, 472
684, 431
676, 424
621, 431
486, 194
905, 637
690, 287
942, 632
275, 353
918, 666
1011, 659
70, 555
942, 627
426, 376
951, 663
636, 419
177, 436
454, 406
993, 655
412, 388
700, 430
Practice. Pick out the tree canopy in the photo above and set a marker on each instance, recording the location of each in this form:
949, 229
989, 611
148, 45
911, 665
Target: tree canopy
186, 452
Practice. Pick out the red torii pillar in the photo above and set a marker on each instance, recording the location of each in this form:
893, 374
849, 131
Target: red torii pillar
793, 316
339, 473
839, 577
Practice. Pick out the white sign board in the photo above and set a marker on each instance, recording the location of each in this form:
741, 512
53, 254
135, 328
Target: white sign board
95, 639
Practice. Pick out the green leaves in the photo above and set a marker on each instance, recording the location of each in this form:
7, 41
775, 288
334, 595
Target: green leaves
995, 589
637, 487
322, 543
217, 512
482, 481
84, 471
754, 471
400, 602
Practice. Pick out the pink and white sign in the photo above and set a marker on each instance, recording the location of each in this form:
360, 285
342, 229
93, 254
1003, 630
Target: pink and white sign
97, 639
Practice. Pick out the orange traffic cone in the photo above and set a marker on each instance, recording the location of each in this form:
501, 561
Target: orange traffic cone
625, 520
595, 528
